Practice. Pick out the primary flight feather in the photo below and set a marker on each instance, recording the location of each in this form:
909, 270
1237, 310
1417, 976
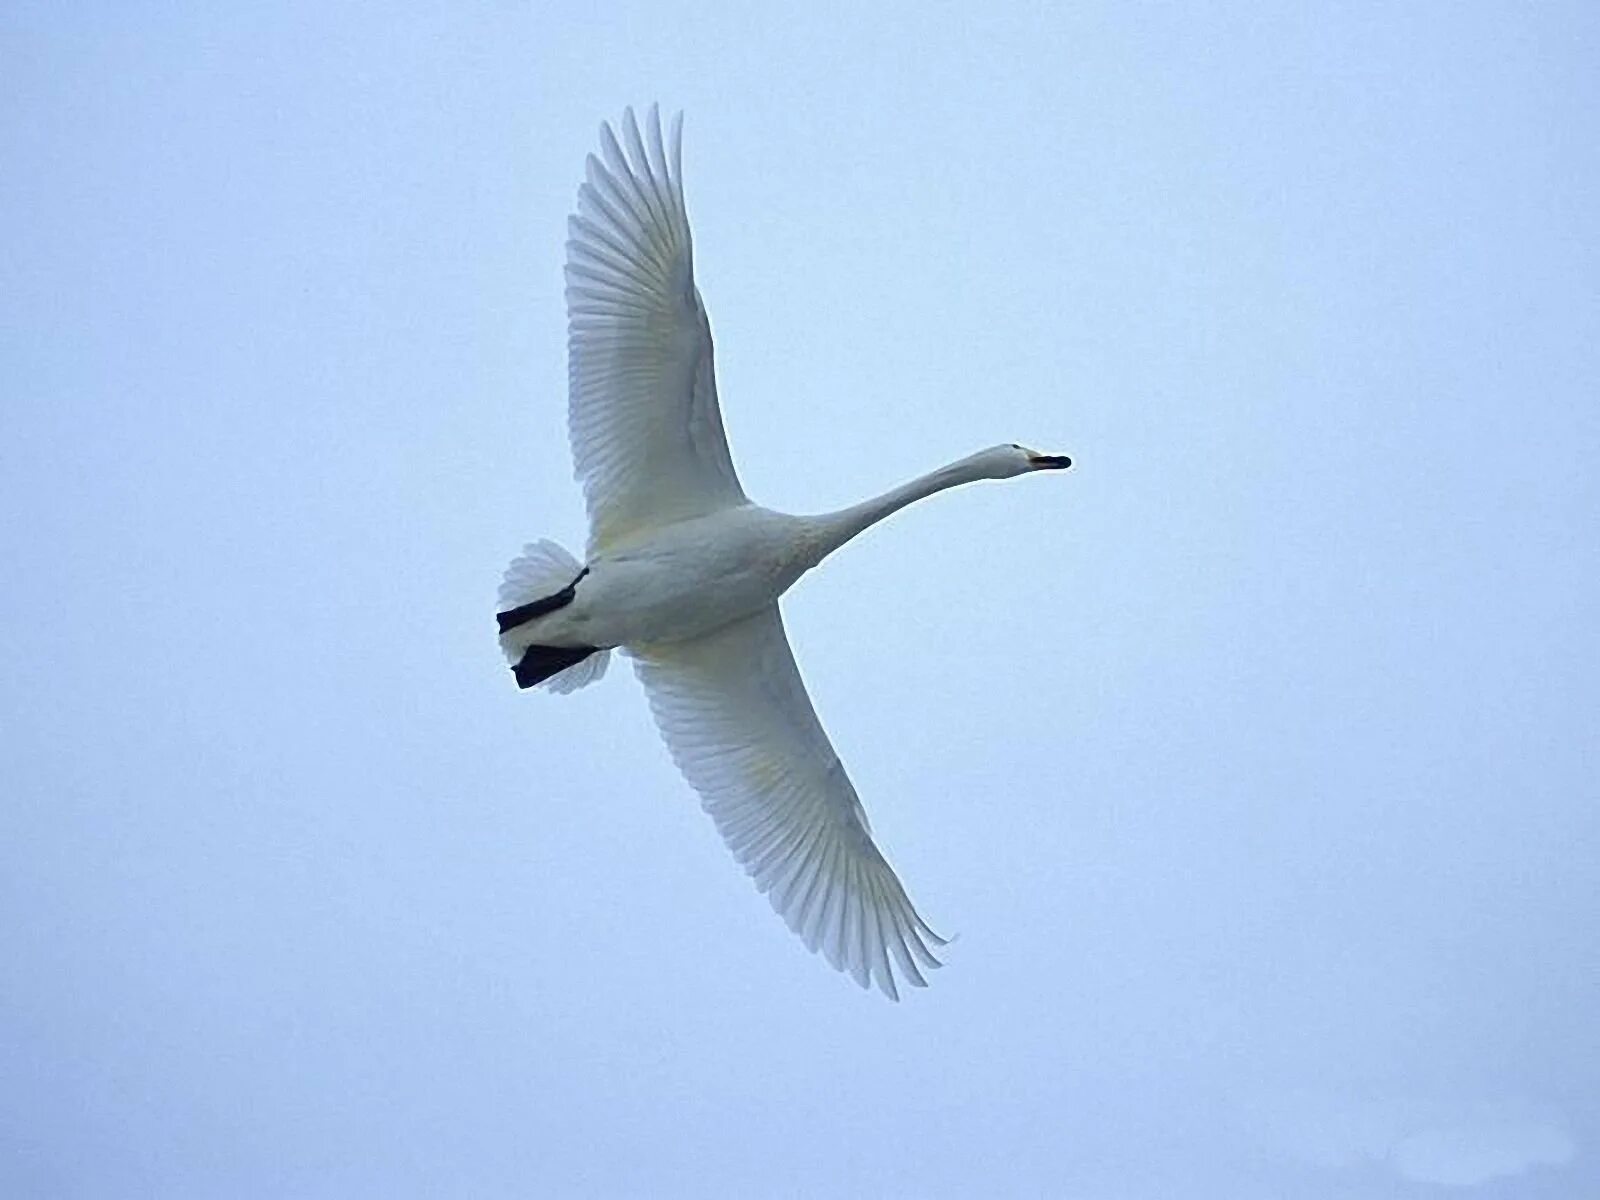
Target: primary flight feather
683, 572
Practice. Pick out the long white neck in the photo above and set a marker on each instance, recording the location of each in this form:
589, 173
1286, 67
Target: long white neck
836, 528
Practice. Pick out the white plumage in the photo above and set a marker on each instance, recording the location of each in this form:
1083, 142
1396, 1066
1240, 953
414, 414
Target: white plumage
684, 573
642, 394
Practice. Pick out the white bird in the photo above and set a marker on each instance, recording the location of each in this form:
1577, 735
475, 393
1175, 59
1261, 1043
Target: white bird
683, 572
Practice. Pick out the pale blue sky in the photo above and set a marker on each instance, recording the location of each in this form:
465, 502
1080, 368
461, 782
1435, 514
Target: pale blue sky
1253, 761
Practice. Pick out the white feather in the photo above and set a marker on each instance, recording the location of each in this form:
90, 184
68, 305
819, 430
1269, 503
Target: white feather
734, 713
646, 431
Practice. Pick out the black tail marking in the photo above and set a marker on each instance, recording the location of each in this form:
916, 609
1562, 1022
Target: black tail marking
538, 663
523, 613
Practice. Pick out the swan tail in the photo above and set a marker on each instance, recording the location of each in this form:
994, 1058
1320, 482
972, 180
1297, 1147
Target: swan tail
542, 579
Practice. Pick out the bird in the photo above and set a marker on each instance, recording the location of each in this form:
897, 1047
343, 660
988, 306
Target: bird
683, 571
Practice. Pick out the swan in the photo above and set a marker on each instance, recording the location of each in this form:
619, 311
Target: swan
683, 572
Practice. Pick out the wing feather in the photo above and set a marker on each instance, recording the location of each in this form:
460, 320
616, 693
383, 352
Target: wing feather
646, 429
735, 716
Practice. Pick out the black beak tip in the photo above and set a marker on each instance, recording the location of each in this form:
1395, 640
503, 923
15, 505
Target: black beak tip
1051, 462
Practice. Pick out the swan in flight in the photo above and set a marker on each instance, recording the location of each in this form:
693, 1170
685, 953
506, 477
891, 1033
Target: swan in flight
683, 572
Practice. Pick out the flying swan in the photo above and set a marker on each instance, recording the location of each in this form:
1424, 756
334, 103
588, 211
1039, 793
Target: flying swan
683, 572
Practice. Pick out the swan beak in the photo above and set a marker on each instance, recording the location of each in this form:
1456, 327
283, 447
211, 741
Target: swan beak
1049, 462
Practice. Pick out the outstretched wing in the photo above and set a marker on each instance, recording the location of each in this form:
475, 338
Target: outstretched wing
735, 716
647, 436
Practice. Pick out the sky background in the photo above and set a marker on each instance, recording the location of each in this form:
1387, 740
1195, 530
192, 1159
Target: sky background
1253, 760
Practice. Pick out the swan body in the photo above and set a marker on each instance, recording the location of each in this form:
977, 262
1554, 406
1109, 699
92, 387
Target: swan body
680, 582
691, 577
683, 571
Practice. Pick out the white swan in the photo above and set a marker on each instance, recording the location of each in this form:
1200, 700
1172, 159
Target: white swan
684, 572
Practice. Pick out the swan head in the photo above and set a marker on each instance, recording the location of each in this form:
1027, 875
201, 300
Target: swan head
1010, 459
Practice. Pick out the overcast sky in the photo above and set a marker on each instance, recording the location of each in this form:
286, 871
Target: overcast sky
1253, 761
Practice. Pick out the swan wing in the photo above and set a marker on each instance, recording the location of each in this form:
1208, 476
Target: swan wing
734, 713
646, 431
